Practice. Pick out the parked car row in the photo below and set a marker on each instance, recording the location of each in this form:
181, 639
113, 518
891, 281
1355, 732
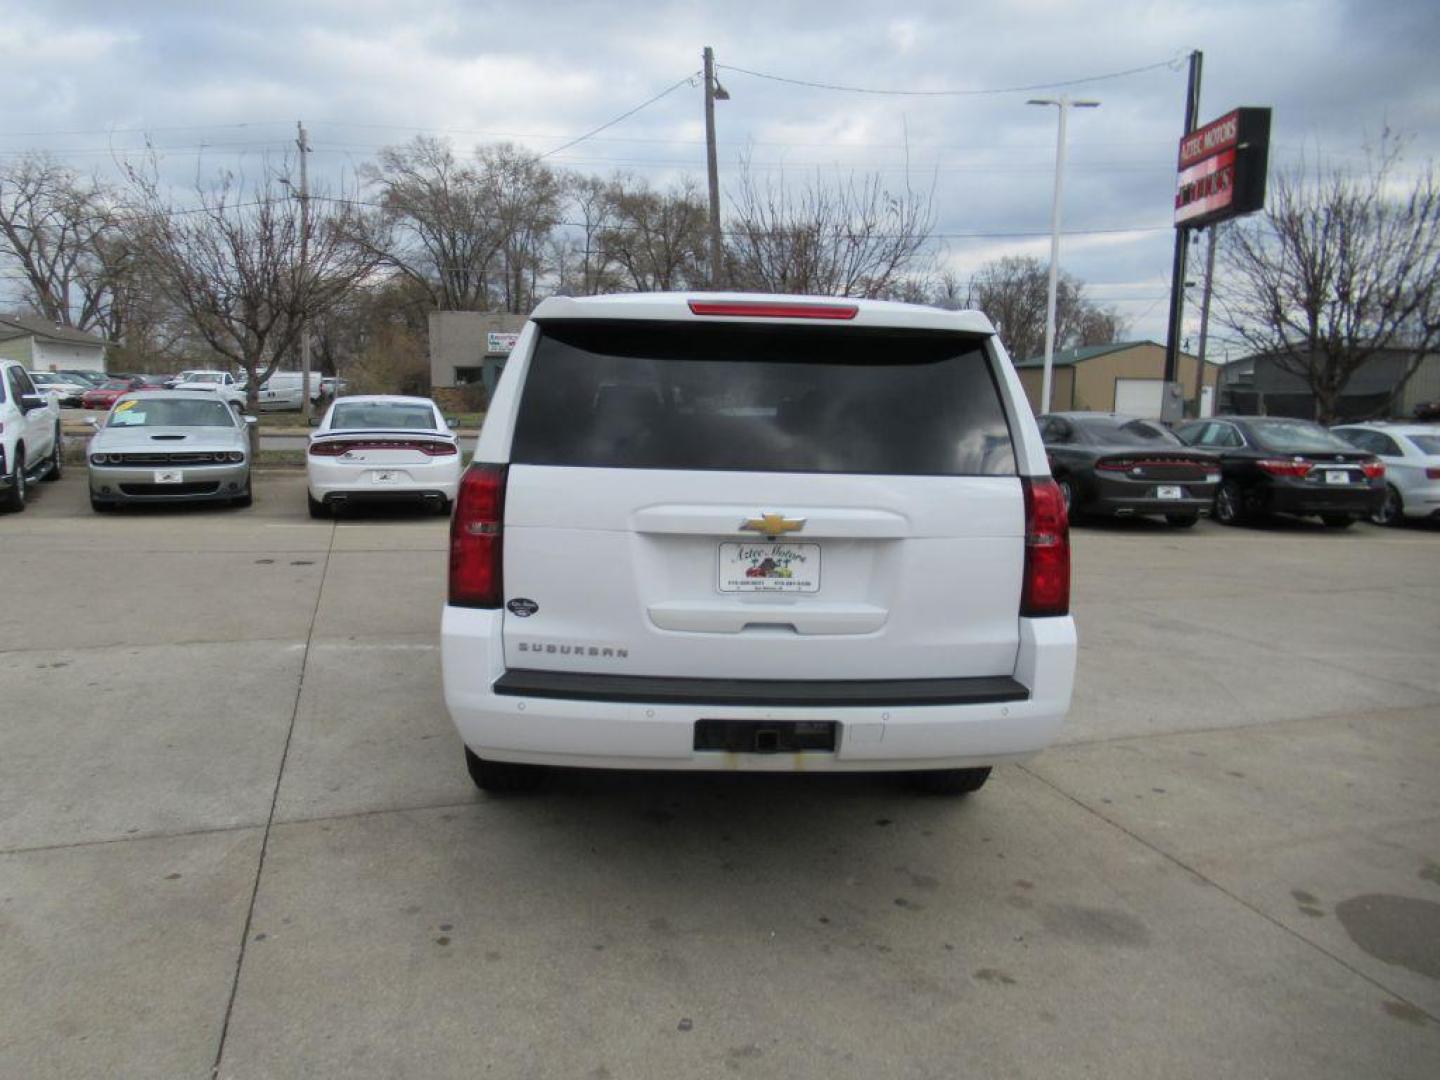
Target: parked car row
166, 446
1243, 468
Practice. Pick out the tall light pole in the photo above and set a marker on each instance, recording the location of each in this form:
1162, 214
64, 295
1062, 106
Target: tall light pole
713, 92
302, 141
1063, 105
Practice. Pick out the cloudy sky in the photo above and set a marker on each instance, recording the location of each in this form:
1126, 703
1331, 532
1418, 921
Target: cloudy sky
219, 84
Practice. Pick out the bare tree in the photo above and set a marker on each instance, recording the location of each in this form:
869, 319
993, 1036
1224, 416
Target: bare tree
525, 196
853, 237
439, 224
231, 262
65, 235
1340, 268
656, 238
1013, 292
581, 264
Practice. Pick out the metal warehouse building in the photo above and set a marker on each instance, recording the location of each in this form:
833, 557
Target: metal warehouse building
1125, 377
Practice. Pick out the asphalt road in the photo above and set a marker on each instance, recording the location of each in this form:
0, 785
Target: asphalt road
236, 834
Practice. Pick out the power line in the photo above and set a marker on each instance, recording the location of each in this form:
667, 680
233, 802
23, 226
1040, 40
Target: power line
623, 116
1171, 63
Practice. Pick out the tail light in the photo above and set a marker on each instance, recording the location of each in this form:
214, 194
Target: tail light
336, 447
1432, 474
768, 309
1284, 467
1046, 588
1373, 470
476, 541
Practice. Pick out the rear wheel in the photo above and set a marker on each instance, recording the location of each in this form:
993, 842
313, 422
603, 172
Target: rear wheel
950, 781
57, 455
1067, 494
442, 506
1392, 510
1229, 504
244, 500
1182, 521
501, 776
317, 508
14, 499
1337, 521
100, 506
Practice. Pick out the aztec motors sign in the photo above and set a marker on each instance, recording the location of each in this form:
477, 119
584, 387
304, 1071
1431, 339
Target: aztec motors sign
1222, 169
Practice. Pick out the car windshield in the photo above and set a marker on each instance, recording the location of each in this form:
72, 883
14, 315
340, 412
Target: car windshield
168, 412
1296, 437
1426, 444
1116, 431
116, 384
39, 378
386, 415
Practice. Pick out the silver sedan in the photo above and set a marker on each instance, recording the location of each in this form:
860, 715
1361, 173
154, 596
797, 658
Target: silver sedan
170, 446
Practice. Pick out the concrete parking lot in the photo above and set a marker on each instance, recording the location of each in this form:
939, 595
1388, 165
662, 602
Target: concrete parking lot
236, 834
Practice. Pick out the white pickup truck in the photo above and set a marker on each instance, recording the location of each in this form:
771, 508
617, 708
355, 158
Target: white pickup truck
220, 383
30, 441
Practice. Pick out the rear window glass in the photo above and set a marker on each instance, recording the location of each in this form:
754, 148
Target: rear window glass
1296, 437
382, 414
750, 398
1109, 431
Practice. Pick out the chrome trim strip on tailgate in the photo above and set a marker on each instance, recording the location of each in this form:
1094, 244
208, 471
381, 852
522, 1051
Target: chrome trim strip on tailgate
779, 693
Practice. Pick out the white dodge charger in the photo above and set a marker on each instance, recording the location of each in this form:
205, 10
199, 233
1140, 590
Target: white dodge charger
382, 447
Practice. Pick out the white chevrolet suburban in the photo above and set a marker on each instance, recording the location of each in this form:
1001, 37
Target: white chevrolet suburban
757, 532
30, 439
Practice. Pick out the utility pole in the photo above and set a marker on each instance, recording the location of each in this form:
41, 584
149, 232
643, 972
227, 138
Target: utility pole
302, 141
1063, 105
713, 92
1182, 234
1205, 318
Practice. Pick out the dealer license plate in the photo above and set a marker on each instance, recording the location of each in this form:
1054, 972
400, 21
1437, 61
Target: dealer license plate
1169, 492
764, 567
169, 476
385, 476
1336, 476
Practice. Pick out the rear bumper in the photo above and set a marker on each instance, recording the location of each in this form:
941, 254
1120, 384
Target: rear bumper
1421, 502
1121, 495
1302, 499
1020, 717
330, 482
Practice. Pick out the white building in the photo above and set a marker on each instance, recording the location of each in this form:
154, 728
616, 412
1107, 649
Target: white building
41, 345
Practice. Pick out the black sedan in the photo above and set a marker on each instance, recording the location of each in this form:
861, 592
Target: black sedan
1275, 465
1122, 466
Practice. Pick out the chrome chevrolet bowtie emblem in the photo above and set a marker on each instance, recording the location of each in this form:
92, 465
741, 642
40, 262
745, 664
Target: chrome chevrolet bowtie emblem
773, 525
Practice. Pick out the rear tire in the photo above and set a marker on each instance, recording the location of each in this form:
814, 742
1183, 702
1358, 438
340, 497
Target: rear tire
317, 508
100, 506
442, 506
1392, 510
1337, 521
14, 499
1182, 521
1229, 504
950, 781
1067, 495
245, 500
57, 457
501, 776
